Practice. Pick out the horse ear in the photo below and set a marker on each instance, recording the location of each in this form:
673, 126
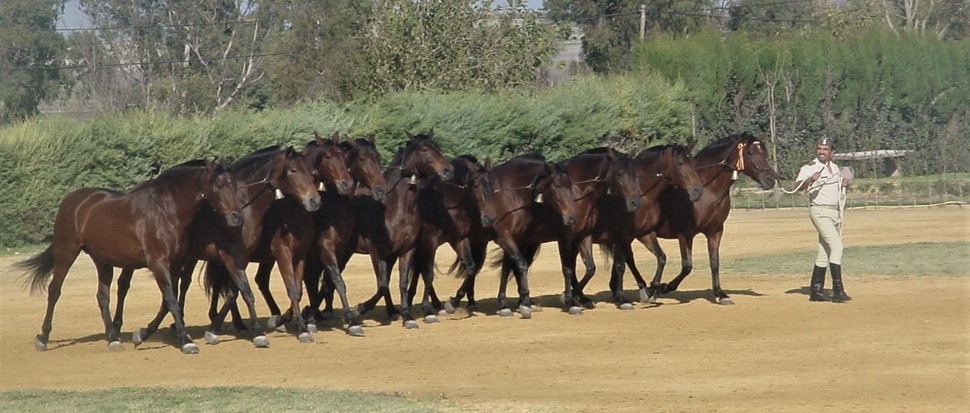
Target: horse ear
335, 137
488, 164
317, 138
408, 134
431, 132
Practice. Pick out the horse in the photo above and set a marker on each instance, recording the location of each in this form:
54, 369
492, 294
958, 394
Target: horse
718, 166
597, 174
337, 233
388, 239
286, 237
270, 173
521, 186
334, 232
656, 168
456, 212
142, 228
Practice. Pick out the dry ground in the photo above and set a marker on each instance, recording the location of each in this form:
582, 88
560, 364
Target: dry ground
903, 344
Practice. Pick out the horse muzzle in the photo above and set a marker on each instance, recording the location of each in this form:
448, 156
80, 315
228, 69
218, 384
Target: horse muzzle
234, 219
312, 203
345, 187
487, 220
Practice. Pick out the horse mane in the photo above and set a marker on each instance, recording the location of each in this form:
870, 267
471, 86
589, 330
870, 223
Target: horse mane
254, 160
176, 173
596, 151
530, 157
730, 140
467, 158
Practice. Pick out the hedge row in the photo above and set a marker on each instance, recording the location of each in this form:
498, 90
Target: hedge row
43, 159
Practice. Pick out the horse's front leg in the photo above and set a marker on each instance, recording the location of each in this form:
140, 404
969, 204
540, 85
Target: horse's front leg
686, 263
404, 266
653, 245
567, 260
163, 277
713, 248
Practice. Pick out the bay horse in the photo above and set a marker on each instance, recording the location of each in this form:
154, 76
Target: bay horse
335, 234
268, 173
387, 239
456, 212
521, 186
718, 166
656, 168
142, 228
597, 174
286, 236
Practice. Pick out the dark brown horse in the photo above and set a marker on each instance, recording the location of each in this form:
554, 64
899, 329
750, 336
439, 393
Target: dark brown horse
456, 212
388, 239
718, 165
524, 187
285, 237
337, 233
600, 175
656, 168
143, 228
264, 175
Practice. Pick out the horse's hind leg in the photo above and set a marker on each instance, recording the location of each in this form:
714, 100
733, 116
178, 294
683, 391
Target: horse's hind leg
650, 241
105, 277
262, 283
61, 258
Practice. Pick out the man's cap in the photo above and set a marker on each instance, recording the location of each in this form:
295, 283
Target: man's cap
825, 140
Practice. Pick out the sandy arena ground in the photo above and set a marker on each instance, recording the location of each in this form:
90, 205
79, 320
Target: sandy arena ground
902, 344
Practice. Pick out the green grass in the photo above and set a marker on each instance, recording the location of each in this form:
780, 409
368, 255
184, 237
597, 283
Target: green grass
921, 258
210, 399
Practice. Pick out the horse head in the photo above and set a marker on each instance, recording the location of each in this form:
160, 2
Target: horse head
326, 160
752, 160
219, 190
474, 178
679, 167
364, 163
422, 157
552, 185
289, 175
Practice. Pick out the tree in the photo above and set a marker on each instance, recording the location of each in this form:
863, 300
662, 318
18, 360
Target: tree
188, 56
611, 27
450, 45
30, 53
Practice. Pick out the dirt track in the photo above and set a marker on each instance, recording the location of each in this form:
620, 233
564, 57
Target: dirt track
903, 344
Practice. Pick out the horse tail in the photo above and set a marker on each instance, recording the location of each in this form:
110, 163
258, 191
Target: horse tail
214, 280
458, 266
609, 249
39, 269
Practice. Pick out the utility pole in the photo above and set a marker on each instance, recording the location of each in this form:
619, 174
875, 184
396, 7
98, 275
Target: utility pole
643, 19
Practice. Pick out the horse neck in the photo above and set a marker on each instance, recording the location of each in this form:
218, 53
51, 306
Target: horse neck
184, 195
714, 174
653, 185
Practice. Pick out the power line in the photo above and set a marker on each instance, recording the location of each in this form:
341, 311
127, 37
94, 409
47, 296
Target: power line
141, 63
154, 26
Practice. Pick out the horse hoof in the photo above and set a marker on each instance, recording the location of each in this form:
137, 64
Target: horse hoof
272, 321
356, 331
190, 348
525, 311
312, 328
211, 338
39, 345
652, 299
626, 306
430, 319
562, 298
449, 308
505, 312
136, 337
281, 328
115, 345
261, 342
305, 338
644, 296
575, 310
410, 324
726, 301
443, 312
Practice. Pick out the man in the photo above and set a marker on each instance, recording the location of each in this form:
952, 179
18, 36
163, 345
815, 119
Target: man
824, 182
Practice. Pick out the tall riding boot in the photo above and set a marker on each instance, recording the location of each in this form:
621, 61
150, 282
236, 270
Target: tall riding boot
818, 281
838, 289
